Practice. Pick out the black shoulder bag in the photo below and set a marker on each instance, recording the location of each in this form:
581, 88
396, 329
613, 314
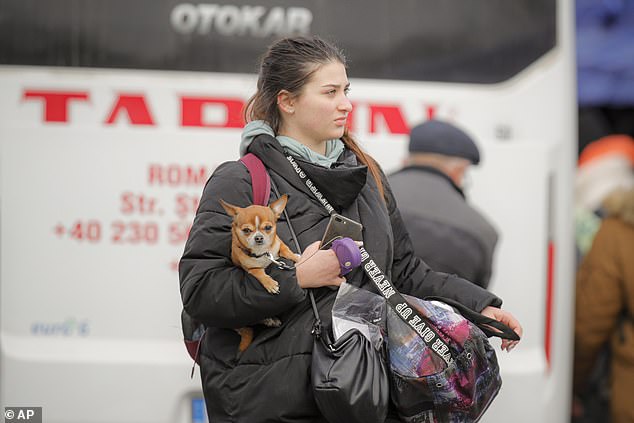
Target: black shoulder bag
349, 377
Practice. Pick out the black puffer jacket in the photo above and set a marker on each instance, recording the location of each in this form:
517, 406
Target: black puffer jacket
270, 381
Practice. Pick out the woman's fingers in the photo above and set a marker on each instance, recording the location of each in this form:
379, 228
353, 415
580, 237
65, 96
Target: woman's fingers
509, 320
318, 268
508, 345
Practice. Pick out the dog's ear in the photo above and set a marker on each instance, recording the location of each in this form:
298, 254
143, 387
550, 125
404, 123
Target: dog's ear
230, 208
278, 205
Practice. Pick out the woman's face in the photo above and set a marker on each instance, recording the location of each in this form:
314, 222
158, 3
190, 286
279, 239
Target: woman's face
320, 111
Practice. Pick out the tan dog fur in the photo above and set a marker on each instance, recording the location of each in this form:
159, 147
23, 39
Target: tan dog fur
253, 236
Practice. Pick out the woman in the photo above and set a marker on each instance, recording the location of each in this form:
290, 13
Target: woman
605, 304
300, 108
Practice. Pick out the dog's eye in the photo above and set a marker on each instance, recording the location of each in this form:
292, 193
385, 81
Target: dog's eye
268, 228
246, 231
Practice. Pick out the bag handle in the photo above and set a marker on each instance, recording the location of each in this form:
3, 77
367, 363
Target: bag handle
489, 326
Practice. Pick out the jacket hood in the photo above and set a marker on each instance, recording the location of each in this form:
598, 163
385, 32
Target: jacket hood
340, 184
621, 204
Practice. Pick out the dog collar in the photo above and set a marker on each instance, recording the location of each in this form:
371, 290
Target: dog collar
250, 254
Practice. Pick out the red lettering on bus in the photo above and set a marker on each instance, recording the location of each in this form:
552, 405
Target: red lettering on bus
392, 116
136, 108
192, 112
350, 121
55, 102
175, 175
431, 111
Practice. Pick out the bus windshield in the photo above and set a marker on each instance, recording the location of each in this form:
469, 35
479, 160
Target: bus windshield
480, 41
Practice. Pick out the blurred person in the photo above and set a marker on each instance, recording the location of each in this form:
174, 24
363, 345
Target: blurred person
299, 111
604, 305
447, 232
604, 165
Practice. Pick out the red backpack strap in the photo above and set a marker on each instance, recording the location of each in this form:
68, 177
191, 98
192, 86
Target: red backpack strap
260, 179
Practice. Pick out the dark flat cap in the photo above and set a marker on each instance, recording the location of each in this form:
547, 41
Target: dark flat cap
435, 136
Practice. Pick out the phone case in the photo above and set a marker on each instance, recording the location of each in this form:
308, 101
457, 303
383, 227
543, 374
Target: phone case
342, 227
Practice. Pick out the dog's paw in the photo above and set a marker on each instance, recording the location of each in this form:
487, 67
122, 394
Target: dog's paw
272, 286
272, 322
297, 257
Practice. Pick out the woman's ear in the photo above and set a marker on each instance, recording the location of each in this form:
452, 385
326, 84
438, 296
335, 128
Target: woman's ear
285, 102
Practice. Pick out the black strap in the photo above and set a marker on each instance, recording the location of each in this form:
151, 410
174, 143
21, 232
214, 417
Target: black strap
317, 326
489, 326
419, 323
311, 186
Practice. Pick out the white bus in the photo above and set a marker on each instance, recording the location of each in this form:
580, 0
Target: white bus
113, 114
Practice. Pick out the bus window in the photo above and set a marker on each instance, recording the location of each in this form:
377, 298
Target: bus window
479, 41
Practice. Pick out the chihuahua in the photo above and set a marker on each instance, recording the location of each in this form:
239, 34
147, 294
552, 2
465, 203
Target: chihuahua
254, 244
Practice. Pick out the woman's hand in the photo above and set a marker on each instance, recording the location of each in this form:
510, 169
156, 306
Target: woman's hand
317, 268
508, 319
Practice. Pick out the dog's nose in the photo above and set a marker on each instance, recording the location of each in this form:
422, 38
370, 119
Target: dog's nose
259, 239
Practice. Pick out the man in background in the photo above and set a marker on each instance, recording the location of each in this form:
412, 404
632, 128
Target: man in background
447, 233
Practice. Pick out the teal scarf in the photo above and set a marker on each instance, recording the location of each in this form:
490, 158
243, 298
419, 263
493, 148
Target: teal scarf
334, 148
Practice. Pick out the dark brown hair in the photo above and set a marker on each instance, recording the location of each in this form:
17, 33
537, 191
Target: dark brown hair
288, 65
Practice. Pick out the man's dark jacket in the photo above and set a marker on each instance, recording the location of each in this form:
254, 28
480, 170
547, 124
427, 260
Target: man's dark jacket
447, 233
270, 381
